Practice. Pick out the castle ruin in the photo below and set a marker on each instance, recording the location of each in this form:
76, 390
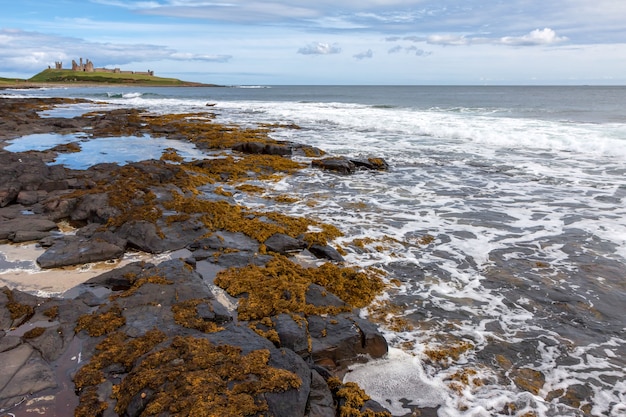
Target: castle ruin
88, 66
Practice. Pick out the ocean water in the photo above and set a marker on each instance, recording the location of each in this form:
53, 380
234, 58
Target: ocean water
501, 225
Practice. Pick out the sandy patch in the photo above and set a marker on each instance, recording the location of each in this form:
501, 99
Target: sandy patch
19, 270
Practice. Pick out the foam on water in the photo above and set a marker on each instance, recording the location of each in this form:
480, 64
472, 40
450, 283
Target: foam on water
519, 209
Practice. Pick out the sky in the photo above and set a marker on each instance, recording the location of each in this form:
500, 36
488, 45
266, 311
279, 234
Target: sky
325, 42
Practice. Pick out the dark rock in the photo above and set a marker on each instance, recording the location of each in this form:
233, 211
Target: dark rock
283, 244
318, 296
262, 148
372, 341
292, 335
170, 297
23, 373
374, 164
58, 208
213, 311
73, 250
22, 236
118, 279
55, 185
145, 236
93, 208
294, 401
321, 402
49, 344
29, 223
325, 252
306, 150
9, 193
28, 198
66, 147
95, 231
336, 164
225, 240
339, 341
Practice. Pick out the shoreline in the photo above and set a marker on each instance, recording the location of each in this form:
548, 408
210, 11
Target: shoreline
26, 85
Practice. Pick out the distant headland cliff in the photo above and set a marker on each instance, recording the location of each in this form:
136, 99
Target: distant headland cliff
86, 73
89, 67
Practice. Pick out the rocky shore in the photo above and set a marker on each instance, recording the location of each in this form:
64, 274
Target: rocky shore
255, 314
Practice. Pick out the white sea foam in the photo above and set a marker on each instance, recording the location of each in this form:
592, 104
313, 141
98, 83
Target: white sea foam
398, 377
532, 190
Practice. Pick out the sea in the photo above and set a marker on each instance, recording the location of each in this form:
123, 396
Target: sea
500, 225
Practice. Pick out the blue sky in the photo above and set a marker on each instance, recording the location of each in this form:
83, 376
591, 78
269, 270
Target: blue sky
325, 42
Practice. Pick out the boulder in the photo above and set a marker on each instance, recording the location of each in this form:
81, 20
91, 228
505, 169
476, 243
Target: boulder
147, 237
321, 401
24, 372
338, 164
345, 165
342, 340
325, 252
29, 223
292, 335
283, 244
9, 193
28, 198
74, 250
375, 164
263, 148
306, 150
22, 236
93, 208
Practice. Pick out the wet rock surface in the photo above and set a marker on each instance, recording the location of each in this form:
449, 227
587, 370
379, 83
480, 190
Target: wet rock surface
148, 339
343, 165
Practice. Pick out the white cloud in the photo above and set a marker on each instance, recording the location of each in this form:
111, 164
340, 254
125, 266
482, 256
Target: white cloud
34, 51
545, 36
320, 48
362, 55
453, 40
536, 37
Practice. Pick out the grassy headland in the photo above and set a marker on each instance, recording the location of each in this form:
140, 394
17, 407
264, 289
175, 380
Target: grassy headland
65, 77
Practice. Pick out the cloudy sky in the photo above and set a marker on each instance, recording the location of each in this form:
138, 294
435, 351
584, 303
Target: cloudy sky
323, 41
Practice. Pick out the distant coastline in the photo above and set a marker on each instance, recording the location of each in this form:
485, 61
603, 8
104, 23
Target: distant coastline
68, 78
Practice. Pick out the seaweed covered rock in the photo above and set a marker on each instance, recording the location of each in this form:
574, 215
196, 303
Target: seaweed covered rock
263, 148
284, 244
338, 164
345, 165
165, 354
309, 310
374, 163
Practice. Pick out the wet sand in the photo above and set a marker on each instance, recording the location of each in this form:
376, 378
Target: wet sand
19, 270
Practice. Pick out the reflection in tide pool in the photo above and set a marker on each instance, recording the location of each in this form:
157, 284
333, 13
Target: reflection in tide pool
40, 142
121, 150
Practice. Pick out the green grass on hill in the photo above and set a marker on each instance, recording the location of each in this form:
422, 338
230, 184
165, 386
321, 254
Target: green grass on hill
69, 76
10, 81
